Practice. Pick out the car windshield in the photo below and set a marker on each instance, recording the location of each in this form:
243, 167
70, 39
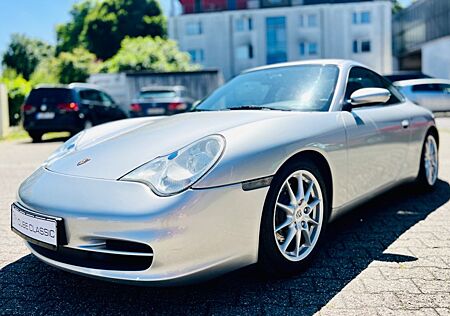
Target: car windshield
157, 94
292, 88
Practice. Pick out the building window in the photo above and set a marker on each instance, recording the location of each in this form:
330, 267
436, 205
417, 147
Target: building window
239, 25
276, 39
302, 49
355, 18
243, 24
365, 17
194, 28
355, 47
312, 49
312, 20
363, 46
361, 17
244, 52
308, 49
197, 55
301, 21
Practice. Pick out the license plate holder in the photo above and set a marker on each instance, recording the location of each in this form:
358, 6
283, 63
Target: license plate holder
153, 111
43, 230
45, 115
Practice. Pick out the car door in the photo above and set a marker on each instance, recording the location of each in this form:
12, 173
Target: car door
92, 101
378, 136
112, 110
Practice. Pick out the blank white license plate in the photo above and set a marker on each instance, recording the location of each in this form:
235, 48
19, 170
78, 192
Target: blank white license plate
45, 115
34, 226
156, 111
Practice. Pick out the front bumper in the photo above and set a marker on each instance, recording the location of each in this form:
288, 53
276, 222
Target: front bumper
194, 235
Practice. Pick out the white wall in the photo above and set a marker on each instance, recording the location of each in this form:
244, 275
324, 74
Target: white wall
436, 58
335, 34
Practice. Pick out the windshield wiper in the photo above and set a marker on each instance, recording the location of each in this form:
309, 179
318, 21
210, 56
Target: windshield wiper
253, 107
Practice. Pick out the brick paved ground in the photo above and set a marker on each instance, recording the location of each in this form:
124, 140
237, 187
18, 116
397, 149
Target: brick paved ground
389, 257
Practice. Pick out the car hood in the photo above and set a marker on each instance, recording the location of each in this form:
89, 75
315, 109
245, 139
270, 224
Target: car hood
112, 150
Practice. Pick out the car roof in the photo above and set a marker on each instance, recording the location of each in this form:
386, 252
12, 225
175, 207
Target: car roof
74, 85
341, 63
157, 88
414, 82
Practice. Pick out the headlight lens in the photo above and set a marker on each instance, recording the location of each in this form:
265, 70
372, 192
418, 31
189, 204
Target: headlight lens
69, 146
179, 170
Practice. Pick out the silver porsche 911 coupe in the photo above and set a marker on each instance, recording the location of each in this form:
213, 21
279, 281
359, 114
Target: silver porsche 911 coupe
253, 175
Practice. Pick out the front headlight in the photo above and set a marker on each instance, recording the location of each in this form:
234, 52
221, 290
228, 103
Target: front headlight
179, 170
69, 146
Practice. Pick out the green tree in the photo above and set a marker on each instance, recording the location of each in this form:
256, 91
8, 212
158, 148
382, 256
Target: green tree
76, 66
147, 53
24, 54
396, 6
45, 72
100, 26
18, 88
68, 35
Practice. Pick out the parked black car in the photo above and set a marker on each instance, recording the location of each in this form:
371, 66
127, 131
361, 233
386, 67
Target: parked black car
161, 100
70, 108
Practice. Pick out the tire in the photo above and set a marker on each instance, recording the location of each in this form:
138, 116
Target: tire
36, 136
276, 258
429, 164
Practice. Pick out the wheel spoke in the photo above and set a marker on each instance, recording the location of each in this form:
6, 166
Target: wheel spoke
301, 192
286, 208
289, 238
286, 223
309, 191
291, 194
298, 239
313, 221
306, 237
314, 203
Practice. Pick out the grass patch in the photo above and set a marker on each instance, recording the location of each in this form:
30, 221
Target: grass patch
17, 133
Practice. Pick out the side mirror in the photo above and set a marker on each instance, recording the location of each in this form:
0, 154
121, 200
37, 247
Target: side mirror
367, 96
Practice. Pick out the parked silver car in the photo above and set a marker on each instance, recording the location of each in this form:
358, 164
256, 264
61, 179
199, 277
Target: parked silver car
433, 94
254, 174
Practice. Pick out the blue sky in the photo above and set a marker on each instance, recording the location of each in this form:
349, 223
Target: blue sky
38, 18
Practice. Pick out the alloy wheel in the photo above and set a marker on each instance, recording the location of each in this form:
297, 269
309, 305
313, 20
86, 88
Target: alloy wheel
298, 215
431, 160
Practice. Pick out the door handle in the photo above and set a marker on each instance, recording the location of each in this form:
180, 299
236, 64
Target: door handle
405, 123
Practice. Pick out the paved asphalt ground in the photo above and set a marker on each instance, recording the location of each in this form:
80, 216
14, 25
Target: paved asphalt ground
389, 257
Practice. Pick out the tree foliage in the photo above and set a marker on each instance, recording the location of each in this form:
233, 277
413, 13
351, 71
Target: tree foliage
18, 88
100, 26
75, 66
24, 54
68, 35
151, 54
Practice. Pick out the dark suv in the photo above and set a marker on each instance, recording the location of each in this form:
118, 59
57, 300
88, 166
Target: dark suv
69, 108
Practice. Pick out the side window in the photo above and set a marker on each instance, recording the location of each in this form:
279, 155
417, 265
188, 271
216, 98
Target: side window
360, 78
427, 87
90, 95
445, 88
106, 99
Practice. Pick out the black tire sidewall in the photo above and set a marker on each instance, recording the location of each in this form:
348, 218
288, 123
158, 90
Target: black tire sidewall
269, 257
